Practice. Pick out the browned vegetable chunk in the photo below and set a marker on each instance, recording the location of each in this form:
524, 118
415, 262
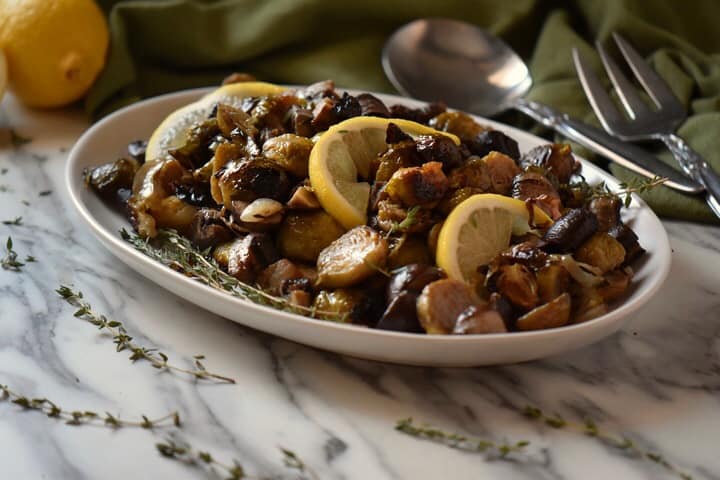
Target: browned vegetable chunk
234, 123
473, 173
479, 319
370, 105
502, 170
517, 283
616, 284
291, 152
401, 314
570, 230
195, 152
607, 211
107, 179
303, 198
588, 304
303, 235
418, 185
283, 276
629, 240
553, 314
458, 123
338, 304
601, 251
409, 249
247, 256
355, 256
208, 229
556, 159
248, 179
455, 198
393, 217
536, 187
552, 280
438, 148
399, 155
440, 304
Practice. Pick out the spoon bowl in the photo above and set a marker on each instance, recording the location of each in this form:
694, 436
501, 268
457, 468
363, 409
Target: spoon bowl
474, 70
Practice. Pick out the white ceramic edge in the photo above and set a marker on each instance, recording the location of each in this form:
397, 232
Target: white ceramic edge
382, 345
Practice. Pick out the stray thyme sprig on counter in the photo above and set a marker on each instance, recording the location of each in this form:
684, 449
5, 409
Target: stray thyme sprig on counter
458, 441
178, 253
591, 429
15, 221
123, 341
84, 417
185, 453
10, 261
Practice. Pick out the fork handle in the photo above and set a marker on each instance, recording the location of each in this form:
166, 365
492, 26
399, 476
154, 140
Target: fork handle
628, 155
695, 166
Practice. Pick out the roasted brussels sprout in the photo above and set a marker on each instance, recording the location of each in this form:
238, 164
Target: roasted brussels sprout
441, 303
455, 198
195, 152
502, 170
473, 173
291, 152
418, 185
355, 256
354, 305
570, 231
399, 155
234, 123
552, 314
109, 178
555, 159
303, 235
552, 281
407, 250
601, 251
517, 283
249, 179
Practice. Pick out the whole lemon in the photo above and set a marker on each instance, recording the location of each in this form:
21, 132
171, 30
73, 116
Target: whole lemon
54, 48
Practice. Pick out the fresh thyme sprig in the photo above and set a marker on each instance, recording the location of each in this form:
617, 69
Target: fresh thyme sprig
175, 251
185, 453
84, 417
409, 220
14, 221
458, 441
10, 261
123, 341
591, 429
635, 185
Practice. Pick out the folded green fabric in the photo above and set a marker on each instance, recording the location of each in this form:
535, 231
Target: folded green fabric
165, 45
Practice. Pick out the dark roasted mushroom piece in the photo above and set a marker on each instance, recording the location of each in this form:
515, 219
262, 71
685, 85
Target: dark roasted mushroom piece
110, 179
347, 107
536, 187
607, 210
208, 229
372, 106
556, 159
493, 140
419, 115
570, 231
249, 255
439, 148
629, 240
401, 314
412, 278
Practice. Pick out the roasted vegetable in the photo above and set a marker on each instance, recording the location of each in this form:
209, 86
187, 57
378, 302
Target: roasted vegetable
291, 152
355, 305
195, 152
303, 235
109, 178
473, 173
399, 155
419, 115
438, 148
607, 211
441, 303
587, 304
552, 281
477, 319
570, 231
248, 179
458, 123
370, 105
401, 314
235, 124
517, 283
208, 229
355, 256
394, 217
555, 159
616, 284
455, 198
533, 186
629, 240
552, 314
502, 170
407, 250
493, 141
246, 257
412, 278
280, 277
601, 251
303, 198
418, 185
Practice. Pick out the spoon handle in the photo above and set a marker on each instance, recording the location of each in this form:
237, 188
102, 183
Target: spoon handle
626, 154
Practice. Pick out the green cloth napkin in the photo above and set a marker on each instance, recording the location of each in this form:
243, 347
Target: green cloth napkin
165, 45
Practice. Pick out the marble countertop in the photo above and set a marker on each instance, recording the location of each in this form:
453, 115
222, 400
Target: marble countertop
656, 382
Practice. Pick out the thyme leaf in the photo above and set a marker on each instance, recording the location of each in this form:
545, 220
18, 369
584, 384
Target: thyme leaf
83, 417
591, 429
15, 221
44, 193
124, 342
176, 252
10, 261
636, 185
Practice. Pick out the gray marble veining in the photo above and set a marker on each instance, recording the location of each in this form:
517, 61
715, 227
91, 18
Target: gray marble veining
657, 381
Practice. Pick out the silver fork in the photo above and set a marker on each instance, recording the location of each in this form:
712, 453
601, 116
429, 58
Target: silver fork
644, 123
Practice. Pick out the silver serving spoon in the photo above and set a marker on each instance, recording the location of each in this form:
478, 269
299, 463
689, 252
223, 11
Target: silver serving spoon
472, 70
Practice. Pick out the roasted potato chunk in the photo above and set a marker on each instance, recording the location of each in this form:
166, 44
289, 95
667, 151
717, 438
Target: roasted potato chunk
601, 251
552, 281
553, 314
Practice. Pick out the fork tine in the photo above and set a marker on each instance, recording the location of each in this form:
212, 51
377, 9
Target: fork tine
655, 86
632, 102
595, 92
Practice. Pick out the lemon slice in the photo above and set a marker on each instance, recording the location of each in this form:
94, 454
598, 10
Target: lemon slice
478, 229
343, 153
171, 133
3, 74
